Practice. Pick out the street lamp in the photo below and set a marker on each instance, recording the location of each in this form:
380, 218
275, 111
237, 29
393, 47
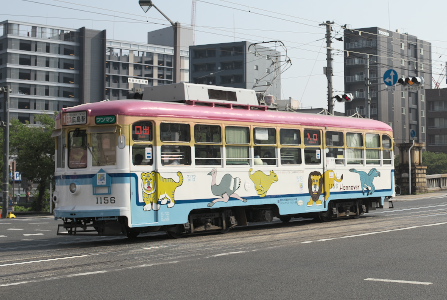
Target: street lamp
146, 5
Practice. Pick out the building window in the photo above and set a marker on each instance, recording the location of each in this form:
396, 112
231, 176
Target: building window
421, 51
402, 62
403, 110
422, 98
402, 46
256, 67
402, 94
422, 66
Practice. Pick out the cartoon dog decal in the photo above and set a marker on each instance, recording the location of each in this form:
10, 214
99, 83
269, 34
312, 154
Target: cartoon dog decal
315, 184
157, 188
366, 180
225, 189
329, 182
262, 181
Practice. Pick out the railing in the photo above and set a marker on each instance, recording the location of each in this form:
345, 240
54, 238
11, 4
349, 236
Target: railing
437, 182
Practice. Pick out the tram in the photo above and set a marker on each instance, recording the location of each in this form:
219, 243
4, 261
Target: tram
192, 158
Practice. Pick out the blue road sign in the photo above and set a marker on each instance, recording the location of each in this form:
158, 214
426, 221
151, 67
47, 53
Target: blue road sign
390, 77
412, 133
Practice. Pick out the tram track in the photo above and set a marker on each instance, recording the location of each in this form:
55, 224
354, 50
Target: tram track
49, 260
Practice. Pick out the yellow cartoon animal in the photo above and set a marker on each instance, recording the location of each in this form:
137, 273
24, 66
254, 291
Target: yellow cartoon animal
262, 181
329, 182
157, 188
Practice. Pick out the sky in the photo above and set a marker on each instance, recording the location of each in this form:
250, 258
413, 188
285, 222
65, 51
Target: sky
295, 23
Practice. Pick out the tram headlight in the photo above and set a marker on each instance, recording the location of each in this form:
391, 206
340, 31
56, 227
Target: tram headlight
72, 187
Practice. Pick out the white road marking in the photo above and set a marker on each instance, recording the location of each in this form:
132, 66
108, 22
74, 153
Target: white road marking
228, 253
14, 229
30, 234
87, 273
43, 260
43, 230
3, 236
399, 281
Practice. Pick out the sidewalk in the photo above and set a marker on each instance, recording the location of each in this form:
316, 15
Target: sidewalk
419, 197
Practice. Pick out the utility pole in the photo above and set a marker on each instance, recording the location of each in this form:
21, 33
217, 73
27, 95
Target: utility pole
367, 84
5, 124
329, 71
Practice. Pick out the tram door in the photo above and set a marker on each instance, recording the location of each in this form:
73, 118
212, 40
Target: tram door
142, 165
313, 161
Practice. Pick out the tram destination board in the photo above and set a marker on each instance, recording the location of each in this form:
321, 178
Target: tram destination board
105, 119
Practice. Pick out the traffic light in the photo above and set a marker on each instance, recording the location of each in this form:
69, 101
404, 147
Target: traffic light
411, 81
344, 98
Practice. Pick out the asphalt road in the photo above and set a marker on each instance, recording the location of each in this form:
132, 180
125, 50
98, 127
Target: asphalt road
392, 253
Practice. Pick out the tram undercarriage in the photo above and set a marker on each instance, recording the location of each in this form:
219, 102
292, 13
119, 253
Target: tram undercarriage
215, 220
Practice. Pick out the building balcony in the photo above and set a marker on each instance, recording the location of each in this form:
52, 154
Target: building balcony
361, 44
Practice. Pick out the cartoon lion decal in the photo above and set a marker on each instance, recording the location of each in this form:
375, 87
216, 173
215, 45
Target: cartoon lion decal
157, 188
315, 184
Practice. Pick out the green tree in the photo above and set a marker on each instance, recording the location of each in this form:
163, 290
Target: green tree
436, 162
34, 147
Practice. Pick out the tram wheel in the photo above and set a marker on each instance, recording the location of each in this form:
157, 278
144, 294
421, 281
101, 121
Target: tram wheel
131, 234
176, 232
325, 216
285, 219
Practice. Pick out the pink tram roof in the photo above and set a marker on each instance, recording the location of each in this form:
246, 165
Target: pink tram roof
234, 113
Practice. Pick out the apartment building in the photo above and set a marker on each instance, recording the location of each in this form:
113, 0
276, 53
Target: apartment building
369, 54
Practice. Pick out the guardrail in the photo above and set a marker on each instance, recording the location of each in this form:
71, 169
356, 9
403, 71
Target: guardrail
437, 182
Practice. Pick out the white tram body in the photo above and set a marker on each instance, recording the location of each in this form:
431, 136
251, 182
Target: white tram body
185, 165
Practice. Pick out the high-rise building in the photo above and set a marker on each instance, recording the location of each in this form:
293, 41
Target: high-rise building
235, 65
437, 120
49, 67
396, 55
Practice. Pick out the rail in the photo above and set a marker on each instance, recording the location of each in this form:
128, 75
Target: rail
437, 182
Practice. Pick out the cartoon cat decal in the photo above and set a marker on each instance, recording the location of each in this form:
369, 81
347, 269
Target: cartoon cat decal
157, 188
263, 181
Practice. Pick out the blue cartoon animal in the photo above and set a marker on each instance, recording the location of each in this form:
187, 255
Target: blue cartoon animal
225, 189
366, 180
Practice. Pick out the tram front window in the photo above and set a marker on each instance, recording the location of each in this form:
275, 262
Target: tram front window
77, 149
103, 149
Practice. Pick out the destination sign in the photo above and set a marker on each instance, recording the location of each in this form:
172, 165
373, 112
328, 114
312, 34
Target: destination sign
74, 118
105, 119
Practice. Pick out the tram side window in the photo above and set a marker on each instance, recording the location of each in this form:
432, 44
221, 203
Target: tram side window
354, 152
172, 155
77, 149
175, 154
237, 145
312, 141
387, 150
290, 155
142, 131
208, 144
175, 132
142, 154
372, 148
60, 146
335, 146
265, 146
104, 149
